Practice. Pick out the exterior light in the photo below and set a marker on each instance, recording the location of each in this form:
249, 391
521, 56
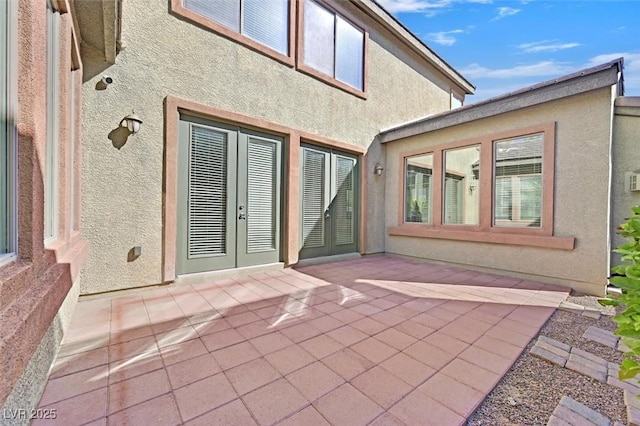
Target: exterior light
131, 122
377, 169
473, 185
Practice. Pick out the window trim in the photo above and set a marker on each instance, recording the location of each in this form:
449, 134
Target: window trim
293, 137
485, 231
178, 9
332, 81
12, 134
52, 146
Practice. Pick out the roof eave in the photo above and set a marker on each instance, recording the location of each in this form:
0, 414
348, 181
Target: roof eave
384, 18
608, 75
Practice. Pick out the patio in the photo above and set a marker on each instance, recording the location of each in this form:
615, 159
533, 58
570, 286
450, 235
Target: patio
378, 340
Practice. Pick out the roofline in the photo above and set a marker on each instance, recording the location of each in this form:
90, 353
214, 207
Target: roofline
582, 81
391, 23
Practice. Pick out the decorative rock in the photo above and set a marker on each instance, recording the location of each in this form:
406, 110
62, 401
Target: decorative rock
548, 356
622, 347
631, 400
599, 335
557, 421
628, 385
579, 365
571, 307
555, 343
588, 364
633, 408
570, 411
633, 416
591, 314
553, 349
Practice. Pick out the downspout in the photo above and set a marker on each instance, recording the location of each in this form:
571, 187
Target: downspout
616, 91
119, 46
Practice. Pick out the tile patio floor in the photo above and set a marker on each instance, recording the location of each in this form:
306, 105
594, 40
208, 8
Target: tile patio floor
378, 340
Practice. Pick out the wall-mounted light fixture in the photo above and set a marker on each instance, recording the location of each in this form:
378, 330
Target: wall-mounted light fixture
377, 169
473, 185
131, 122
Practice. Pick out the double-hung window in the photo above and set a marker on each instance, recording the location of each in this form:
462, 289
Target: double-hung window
265, 21
461, 205
8, 134
333, 46
418, 190
518, 181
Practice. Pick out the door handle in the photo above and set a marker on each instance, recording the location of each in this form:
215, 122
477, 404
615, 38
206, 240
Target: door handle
327, 214
242, 215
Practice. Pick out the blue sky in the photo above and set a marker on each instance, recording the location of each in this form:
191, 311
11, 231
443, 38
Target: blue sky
502, 45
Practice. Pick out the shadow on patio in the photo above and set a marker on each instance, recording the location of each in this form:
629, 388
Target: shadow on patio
378, 340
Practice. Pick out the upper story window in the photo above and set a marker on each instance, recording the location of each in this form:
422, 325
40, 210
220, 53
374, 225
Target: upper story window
265, 21
333, 46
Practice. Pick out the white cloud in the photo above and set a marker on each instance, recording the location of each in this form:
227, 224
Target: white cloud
487, 91
413, 6
444, 38
631, 69
545, 70
546, 46
505, 11
428, 7
539, 69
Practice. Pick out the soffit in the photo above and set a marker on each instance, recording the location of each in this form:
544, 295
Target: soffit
608, 74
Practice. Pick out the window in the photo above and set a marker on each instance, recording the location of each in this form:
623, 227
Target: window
51, 152
265, 21
497, 188
7, 130
333, 46
518, 181
419, 172
461, 203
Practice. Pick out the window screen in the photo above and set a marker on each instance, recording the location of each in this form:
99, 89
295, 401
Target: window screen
332, 45
461, 205
265, 21
518, 181
319, 29
418, 188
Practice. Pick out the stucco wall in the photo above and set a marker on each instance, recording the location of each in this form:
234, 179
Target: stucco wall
626, 159
583, 126
164, 55
34, 286
28, 389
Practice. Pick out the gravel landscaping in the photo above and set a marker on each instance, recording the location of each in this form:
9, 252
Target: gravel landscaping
531, 390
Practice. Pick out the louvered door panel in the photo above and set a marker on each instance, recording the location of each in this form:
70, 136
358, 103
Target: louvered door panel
313, 198
261, 195
207, 207
344, 200
206, 200
329, 207
258, 211
228, 200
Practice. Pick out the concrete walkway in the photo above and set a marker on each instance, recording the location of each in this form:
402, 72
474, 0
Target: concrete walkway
378, 340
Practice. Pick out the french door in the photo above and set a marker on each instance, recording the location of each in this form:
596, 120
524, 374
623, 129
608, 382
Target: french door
228, 212
329, 198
